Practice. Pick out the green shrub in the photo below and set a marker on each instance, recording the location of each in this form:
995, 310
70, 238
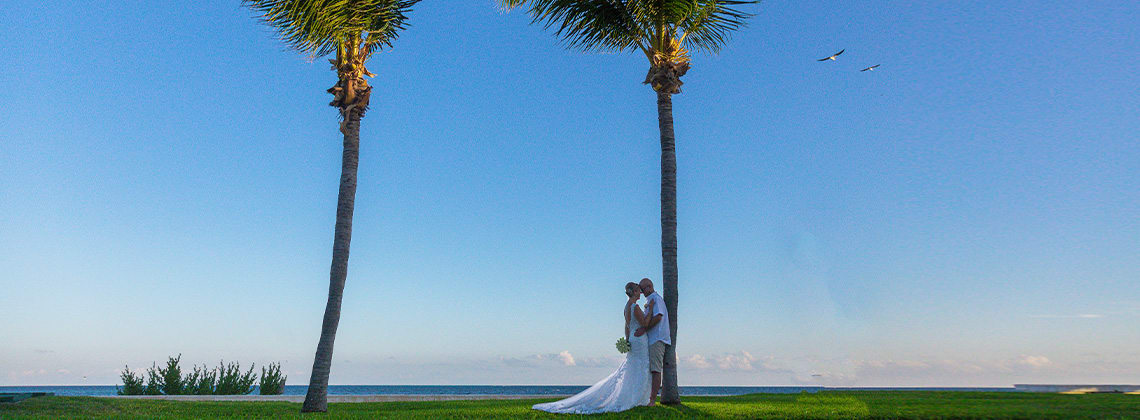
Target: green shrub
201, 381
170, 377
226, 379
190, 382
132, 384
153, 381
272, 382
231, 381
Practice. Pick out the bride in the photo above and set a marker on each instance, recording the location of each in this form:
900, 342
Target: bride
628, 386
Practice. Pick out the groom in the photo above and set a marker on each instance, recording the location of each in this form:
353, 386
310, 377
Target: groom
658, 329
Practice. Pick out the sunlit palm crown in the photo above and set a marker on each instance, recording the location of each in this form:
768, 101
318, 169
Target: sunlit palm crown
353, 29
321, 26
665, 30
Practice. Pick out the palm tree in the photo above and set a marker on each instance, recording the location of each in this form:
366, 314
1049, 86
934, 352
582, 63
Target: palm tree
354, 30
665, 31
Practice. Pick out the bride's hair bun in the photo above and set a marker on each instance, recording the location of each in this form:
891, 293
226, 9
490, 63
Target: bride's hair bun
630, 288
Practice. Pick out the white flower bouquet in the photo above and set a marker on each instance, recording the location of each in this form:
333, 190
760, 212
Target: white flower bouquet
622, 345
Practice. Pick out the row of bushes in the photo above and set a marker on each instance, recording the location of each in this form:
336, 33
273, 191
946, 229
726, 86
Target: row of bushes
226, 379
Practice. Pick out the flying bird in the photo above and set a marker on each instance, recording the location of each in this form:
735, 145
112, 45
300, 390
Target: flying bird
871, 68
833, 56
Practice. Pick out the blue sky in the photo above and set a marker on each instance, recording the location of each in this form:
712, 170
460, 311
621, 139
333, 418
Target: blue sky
965, 215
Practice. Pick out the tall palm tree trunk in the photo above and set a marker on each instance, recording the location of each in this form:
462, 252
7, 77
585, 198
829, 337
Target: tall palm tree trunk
317, 397
669, 391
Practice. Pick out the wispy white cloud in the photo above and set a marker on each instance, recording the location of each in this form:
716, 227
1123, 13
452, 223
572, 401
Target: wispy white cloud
566, 358
902, 369
1034, 361
563, 358
740, 361
1073, 316
697, 361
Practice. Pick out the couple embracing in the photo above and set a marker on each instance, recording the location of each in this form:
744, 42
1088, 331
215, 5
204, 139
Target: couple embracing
638, 379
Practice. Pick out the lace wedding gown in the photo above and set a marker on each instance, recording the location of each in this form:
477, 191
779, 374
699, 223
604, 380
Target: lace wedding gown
624, 389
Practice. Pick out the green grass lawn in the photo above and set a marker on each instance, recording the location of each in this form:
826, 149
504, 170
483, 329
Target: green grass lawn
824, 405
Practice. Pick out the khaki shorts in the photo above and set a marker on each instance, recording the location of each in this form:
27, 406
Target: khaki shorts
656, 356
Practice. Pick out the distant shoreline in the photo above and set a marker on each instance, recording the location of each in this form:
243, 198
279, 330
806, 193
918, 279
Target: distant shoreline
465, 391
332, 398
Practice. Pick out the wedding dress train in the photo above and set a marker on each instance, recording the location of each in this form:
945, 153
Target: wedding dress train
624, 389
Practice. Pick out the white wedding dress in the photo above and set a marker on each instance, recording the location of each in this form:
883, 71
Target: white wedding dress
624, 389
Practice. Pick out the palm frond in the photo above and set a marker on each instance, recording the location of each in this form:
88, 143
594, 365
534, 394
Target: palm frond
708, 24
318, 26
623, 24
586, 24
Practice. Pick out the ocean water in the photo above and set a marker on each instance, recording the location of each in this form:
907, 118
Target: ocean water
536, 390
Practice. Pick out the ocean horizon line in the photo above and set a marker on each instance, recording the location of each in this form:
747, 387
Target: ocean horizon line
586, 385
501, 390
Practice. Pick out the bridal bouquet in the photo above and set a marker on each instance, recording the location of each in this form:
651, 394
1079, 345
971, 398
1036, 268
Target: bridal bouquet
622, 345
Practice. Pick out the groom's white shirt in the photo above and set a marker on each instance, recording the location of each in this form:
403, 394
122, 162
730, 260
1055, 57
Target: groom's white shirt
659, 332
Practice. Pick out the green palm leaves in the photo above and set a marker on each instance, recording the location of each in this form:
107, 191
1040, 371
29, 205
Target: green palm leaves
664, 30
353, 29
320, 26
589, 25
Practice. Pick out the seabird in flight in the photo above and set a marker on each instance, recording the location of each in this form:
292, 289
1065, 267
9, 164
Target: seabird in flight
833, 56
870, 68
